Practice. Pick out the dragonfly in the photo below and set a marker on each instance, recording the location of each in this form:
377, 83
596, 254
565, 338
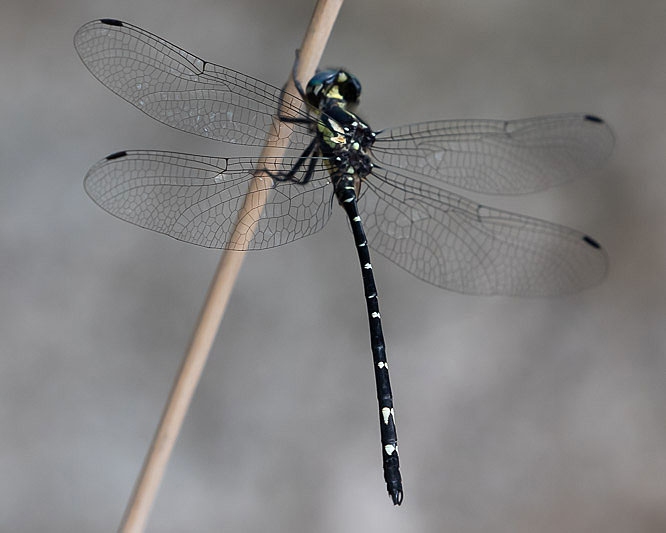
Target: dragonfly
391, 183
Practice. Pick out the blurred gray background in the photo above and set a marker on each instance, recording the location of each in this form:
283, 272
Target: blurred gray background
514, 415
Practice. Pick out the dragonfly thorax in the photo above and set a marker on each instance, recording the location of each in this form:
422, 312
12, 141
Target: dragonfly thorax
345, 141
343, 137
349, 166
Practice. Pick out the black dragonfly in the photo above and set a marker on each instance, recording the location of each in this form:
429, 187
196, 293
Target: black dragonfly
390, 177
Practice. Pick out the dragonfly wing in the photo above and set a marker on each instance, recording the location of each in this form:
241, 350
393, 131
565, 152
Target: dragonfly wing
185, 92
197, 199
456, 244
498, 156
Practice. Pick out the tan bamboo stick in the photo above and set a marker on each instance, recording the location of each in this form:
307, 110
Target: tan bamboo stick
145, 489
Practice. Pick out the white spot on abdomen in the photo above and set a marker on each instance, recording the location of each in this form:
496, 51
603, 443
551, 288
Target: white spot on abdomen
390, 449
386, 413
367, 266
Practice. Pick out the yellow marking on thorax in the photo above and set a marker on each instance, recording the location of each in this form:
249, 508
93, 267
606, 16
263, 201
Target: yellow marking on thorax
330, 130
334, 93
336, 126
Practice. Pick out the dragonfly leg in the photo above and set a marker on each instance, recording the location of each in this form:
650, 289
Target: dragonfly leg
288, 119
297, 83
301, 92
289, 176
310, 171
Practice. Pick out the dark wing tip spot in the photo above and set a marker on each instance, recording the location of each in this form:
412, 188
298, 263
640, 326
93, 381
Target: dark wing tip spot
111, 22
589, 240
594, 118
116, 155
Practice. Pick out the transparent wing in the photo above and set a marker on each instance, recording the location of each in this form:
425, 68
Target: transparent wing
457, 244
197, 199
183, 91
498, 156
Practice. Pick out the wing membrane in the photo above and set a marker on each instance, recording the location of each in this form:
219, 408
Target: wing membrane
456, 244
197, 199
185, 92
436, 235
496, 156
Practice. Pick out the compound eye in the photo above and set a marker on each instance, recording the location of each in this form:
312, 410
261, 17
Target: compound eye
318, 85
325, 77
351, 90
312, 95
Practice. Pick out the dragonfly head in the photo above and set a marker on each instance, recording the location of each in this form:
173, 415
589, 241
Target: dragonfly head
334, 84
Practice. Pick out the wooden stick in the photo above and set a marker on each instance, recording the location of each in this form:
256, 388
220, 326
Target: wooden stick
145, 489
